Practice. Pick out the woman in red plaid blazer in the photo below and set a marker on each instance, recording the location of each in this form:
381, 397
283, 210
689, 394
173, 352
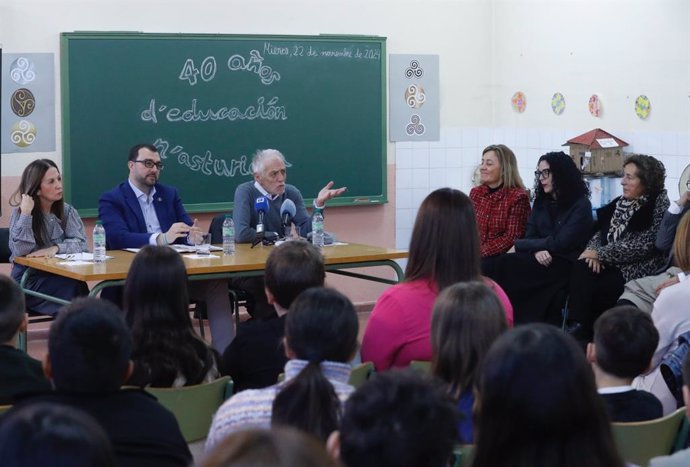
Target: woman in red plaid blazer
501, 202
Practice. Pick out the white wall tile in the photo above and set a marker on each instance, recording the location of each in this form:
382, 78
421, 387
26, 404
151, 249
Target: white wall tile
403, 145
654, 144
509, 138
498, 134
418, 195
420, 158
420, 178
454, 157
420, 145
437, 157
454, 177
403, 198
533, 138
683, 144
454, 138
469, 137
404, 218
471, 157
669, 143
484, 137
403, 178
402, 242
403, 158
437, 178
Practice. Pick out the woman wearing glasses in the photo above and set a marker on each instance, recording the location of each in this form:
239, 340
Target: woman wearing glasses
42, 224
622, 248
536, 275
501, 203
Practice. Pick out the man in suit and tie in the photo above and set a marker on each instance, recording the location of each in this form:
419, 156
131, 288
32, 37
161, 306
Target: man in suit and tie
140, 211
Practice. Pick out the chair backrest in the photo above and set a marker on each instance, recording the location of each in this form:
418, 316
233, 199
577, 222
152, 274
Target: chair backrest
463, 455
638, 442
360, 374
216, 228
421, 366
5, 245
194, 406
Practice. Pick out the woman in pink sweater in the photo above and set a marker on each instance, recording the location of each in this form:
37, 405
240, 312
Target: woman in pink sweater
444, 250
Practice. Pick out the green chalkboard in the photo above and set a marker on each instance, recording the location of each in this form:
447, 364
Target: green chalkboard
208, 102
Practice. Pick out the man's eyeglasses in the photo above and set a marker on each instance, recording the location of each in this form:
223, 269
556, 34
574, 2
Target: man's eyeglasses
542, 173
149, 164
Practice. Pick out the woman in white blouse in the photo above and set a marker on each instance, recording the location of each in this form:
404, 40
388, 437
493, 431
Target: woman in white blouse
671, 318
42, 224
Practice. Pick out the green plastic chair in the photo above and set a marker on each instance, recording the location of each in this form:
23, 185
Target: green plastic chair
194, 406
360, 374
638, 442
463, 455
421, 366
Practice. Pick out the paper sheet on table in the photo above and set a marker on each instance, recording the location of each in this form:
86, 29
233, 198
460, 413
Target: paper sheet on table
195, 256
85, 257
75, 263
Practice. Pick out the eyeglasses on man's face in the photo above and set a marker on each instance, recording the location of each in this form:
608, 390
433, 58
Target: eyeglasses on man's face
687, 184
542, 174
149, 164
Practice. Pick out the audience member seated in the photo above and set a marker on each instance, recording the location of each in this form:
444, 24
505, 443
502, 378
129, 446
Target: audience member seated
644, 291
444, 250
671, 319
622, 249
256, 356
166, 351
320, 339
536, 275
49, 435
88, 360
397, 419
467, 319
537, 404
279, 447
624, 341
501, 201
680, 458
42, 224
19, 373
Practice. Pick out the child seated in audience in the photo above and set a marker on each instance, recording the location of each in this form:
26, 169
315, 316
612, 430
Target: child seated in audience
50, 435
397, 419
537, 404
88, 361
680, 458
467, 318
167, 352
19, 373
320, 339
256, 356
624, 341
278, 447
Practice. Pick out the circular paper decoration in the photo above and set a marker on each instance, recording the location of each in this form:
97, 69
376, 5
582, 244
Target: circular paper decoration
22, 102
558, 103
595, 106
643, 106
23, 133
683, 182
519, 102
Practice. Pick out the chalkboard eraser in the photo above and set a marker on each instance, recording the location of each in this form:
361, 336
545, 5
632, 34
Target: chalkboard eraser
365, 200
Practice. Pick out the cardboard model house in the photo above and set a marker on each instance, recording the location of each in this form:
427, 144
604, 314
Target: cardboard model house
597, 152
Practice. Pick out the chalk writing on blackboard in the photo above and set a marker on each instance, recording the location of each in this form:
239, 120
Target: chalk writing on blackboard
262, 111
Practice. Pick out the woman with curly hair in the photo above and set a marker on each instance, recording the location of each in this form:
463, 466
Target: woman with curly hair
536, 275
501, 202
622, 248
166, 352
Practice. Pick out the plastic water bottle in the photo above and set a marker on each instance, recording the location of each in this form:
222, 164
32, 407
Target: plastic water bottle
98, 243
317, 229
228, 236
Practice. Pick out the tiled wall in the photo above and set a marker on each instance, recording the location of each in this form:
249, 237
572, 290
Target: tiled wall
423, 167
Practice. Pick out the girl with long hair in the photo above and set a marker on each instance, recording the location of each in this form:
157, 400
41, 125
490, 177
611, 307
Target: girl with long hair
166, 351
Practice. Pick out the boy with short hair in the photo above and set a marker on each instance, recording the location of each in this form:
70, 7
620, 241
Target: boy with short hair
624, 342
19, 373
256, 356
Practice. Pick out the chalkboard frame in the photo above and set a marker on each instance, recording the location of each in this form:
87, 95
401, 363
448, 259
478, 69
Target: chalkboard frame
348, 199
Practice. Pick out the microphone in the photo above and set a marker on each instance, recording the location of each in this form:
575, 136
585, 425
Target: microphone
261, 207
287, 213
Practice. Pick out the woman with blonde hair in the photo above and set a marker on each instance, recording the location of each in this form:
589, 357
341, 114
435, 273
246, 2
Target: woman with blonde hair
671, 319
501, 202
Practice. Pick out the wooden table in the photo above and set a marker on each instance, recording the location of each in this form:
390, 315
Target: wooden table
245, 262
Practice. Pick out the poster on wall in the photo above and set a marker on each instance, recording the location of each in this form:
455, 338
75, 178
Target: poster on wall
28, 103
414, 98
